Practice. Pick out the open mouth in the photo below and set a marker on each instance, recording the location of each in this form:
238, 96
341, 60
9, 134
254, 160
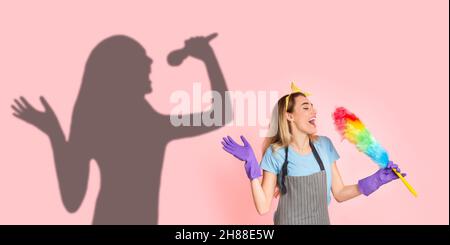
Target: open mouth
312, 121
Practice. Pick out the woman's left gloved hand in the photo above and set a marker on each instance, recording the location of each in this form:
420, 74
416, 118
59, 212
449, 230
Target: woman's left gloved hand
243, 153
383, 176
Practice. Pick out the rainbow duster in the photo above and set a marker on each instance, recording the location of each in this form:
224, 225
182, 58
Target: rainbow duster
352, 129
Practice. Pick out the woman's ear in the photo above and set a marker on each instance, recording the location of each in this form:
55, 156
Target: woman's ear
289, 117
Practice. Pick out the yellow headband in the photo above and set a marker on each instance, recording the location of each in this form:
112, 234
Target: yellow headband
294, 89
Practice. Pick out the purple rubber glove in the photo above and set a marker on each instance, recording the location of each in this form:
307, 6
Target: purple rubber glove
383, 176
243, 153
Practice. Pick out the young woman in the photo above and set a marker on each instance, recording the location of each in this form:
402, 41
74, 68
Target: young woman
302, 166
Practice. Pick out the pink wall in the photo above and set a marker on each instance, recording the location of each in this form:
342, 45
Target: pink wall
387, 61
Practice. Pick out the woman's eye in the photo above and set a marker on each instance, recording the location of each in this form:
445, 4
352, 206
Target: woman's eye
305, 108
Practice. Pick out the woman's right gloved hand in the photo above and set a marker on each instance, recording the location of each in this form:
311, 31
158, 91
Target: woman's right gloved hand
243, 153
383, 176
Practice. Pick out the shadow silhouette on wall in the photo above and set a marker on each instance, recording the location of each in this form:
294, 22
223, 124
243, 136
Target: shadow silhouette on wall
114, 124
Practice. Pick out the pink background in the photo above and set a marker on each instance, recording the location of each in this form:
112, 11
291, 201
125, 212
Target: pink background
387, 61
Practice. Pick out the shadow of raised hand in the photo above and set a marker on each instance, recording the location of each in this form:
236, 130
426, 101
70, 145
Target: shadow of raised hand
45, 120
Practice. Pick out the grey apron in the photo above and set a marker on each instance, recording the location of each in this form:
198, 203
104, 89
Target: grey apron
304, 201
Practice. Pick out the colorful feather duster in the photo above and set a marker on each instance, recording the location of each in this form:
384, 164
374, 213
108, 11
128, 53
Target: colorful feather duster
352, 129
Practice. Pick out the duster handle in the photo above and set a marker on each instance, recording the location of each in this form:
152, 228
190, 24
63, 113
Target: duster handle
410, 188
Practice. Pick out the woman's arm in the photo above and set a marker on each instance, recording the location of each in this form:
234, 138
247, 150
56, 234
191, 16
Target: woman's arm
263, 191
72, 168
71, 157
340, 191
365, 186
221, 107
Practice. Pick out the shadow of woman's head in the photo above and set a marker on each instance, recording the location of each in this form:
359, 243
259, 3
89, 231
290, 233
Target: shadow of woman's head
118, 68
115, 78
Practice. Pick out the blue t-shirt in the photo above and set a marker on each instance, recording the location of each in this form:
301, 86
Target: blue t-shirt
302, 165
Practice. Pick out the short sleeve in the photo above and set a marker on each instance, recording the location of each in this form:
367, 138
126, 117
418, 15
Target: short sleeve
272, 161
331, 151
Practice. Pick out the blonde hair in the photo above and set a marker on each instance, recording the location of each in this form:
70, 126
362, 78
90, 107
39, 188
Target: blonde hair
280, 130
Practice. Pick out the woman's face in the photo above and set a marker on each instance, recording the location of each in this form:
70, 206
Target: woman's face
303, 117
